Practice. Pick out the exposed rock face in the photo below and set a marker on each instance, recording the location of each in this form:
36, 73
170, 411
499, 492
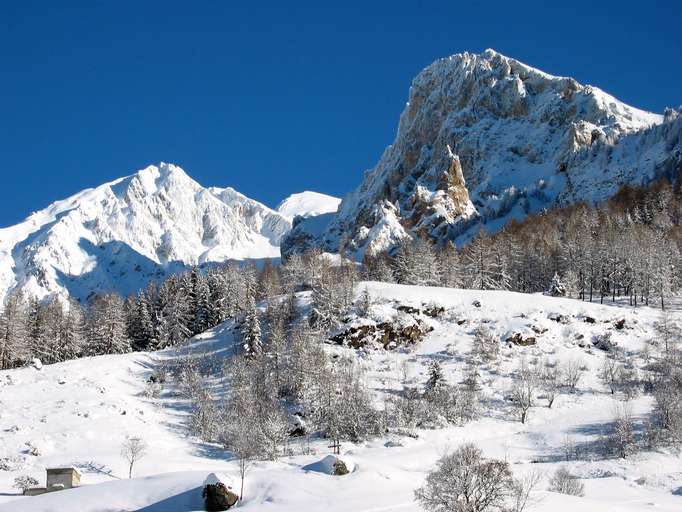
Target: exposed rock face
486, 138
407, 327
386, 334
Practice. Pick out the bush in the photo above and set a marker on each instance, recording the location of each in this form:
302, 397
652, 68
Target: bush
486, 343
464, 481
564, 482
25, 482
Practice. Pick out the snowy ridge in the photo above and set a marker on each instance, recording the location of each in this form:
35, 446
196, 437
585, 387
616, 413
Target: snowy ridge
526, 141
118, 236
307, 204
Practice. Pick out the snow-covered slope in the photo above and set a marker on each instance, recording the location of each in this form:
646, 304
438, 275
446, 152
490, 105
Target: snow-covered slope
511, 139
79, 413
121, 234
307, 204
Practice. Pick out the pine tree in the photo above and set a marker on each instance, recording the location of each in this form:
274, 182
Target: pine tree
73, 331
364, 303
141, 329
483, 267
556, 287
36, 329
436, 377
416, 263
449, 266
13, 335
52, 317
107, 332
199, 298
217, 304
175, 315
251, 331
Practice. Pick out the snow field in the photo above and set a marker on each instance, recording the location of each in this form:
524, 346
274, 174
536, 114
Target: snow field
73, 413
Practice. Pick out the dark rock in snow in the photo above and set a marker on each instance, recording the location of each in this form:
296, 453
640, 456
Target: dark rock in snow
409, 310
604, 342
387, 334
434, 311
217, 494
558, 317
518, 340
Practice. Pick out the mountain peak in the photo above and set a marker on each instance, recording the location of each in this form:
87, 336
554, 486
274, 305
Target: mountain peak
520, 140
122, 234
307, 204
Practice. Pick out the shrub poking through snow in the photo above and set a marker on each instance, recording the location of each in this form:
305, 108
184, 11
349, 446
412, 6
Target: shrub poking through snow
465, 481
486, 343
564, 482
572, 373
604, 342
25, 482
620, 439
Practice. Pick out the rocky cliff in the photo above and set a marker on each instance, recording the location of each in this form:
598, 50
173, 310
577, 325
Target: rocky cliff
484, 139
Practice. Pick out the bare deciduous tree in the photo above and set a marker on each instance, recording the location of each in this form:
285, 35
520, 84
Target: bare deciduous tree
550, 383
464, 481
133, 449
523, 487
609, 374
621, 436
523, 392
572, 372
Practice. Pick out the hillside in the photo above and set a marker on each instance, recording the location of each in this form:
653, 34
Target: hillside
79, 412
485, 139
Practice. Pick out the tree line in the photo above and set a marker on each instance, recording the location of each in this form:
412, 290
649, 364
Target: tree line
166, 314
629, 247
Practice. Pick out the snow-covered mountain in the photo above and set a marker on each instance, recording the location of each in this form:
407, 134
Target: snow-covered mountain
484, 139
121, 234
307, 204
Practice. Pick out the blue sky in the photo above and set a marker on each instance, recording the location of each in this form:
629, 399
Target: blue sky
274, 98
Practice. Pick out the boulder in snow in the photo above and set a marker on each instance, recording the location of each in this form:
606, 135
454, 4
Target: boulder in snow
604, 342
217, 493
332, 465
518, 339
